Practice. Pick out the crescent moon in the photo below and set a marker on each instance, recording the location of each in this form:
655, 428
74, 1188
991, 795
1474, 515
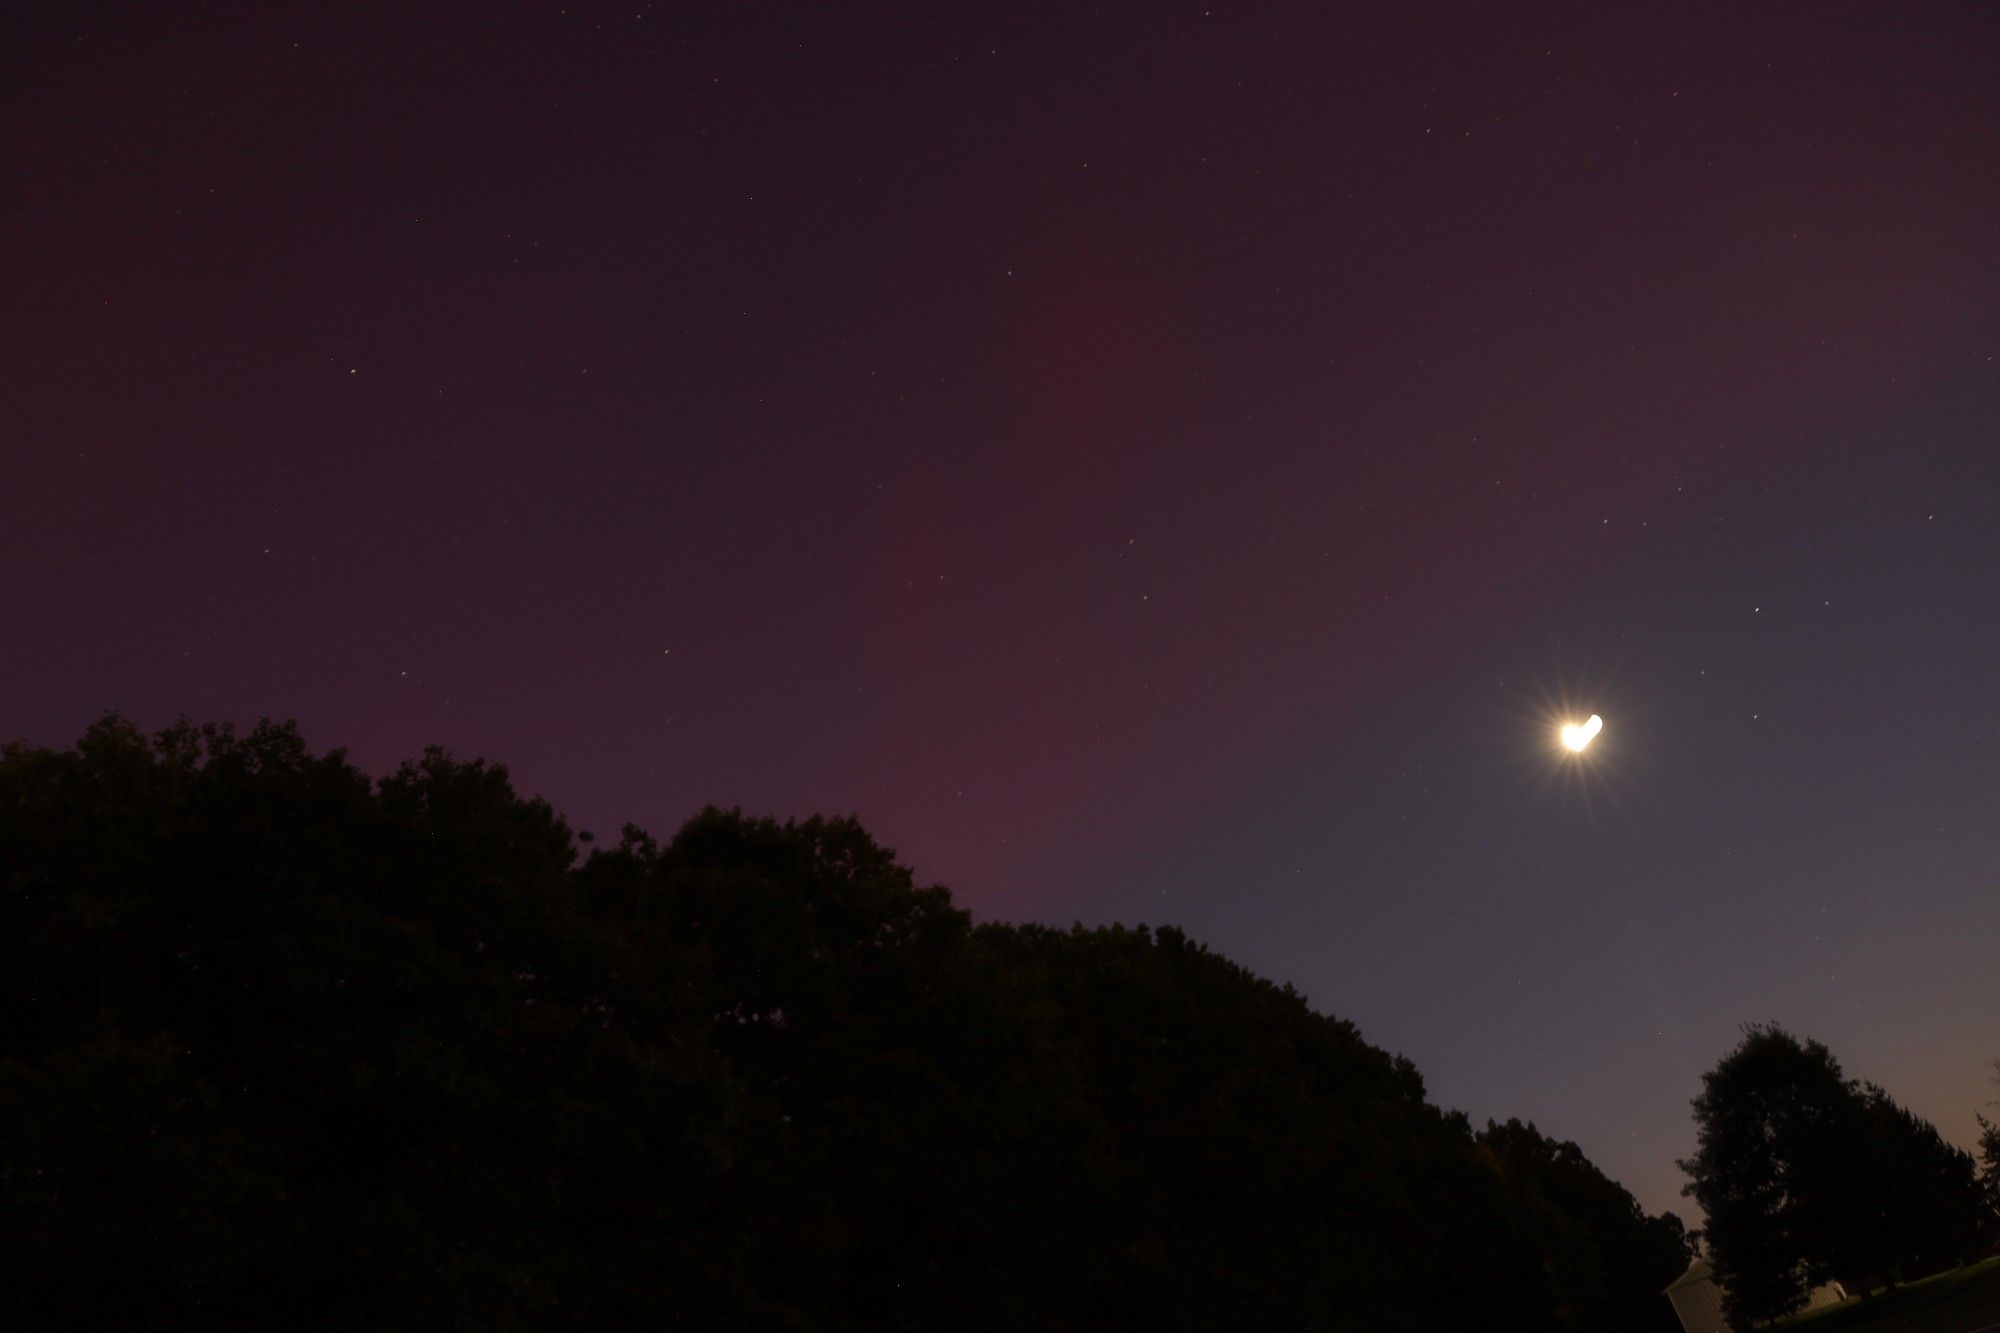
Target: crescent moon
1576, 738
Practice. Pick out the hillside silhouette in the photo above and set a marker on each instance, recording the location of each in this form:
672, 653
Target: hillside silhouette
289, 1046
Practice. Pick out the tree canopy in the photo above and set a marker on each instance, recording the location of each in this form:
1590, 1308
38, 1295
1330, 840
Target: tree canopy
1989, 1154
1809, 1176
289, 1045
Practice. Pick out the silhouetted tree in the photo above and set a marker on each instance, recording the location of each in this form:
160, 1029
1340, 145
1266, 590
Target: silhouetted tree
1807, 1176
1989, 1163
1607, 1261
1926, 1192
287, 1045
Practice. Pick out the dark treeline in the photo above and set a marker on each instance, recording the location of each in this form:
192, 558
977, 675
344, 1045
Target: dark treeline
288, 1047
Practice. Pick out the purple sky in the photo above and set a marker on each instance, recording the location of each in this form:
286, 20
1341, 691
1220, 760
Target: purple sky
1153, 461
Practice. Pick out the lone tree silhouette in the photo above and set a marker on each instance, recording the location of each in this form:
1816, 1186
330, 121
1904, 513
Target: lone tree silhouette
1808, 1176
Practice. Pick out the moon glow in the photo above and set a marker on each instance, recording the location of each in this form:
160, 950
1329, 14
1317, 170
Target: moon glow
1577, 736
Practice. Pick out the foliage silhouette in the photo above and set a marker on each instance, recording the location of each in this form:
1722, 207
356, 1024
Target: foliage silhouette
1989, 1154
285, 1045
1808, 1176
1603, 1255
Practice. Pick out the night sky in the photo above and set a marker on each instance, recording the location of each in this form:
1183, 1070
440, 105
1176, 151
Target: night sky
1169, 462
